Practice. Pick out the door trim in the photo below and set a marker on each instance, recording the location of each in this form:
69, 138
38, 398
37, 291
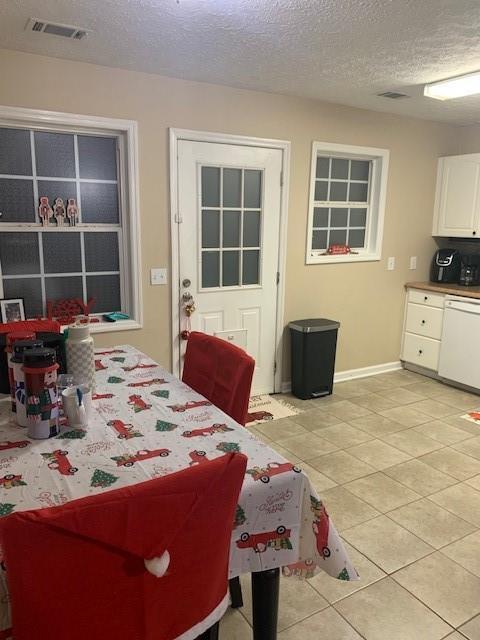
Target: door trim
223, 138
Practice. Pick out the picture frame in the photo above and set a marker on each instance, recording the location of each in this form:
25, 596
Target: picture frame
12, 310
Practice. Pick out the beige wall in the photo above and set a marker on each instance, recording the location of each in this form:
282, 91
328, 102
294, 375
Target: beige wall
469, 139
366, 298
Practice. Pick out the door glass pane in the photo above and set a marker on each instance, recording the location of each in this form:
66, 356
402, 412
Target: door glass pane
251, 229
101, 251
210, 269
338, 191
321, 190
15, 153
97, 157
19, 253
252, 189
99, 202
360, 170
231, 228
16, 201
210, 187
60, 287
356, 237
232, 187
210, 229
251, 260
54, 153
338, 217
323, 165
30, 289
230, 273
338, 236
358, 217
106, 291
320, 217
358, 192
319, 239
62, 252
339, 168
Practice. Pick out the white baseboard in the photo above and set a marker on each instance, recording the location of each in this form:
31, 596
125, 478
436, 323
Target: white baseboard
352, 374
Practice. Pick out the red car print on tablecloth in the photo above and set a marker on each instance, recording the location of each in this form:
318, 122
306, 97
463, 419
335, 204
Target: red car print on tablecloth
125, 431
320, 526
260, 542
11, 480
272, 469
192, 404
129, 459
138, 403
99, 366
58, 460
140, 366
259, 415
102, 396
147, 383
197, 457
304, 569
21, 444
207, 431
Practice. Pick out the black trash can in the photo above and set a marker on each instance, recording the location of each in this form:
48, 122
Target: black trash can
314, 344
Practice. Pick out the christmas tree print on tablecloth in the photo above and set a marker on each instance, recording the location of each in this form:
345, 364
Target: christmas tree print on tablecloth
6, 508
118, 359
229, 447
165, 426
240, 516
102, 479
161, 393
343, 575
115, 380
74, 434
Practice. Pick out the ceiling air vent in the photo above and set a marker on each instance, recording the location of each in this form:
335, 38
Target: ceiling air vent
52, 28
393, 95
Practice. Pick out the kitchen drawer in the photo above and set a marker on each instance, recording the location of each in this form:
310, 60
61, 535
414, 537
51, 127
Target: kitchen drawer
421, 351
426, 297
426, 321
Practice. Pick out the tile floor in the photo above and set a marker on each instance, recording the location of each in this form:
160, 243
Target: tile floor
399, 471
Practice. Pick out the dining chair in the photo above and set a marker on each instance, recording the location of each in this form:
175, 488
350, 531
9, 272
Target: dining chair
144, 562
220, 371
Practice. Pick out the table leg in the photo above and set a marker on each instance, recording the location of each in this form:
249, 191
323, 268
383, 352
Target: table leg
235, 593
265, 592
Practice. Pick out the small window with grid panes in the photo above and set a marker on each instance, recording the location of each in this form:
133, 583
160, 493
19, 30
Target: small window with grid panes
74, 249
345, 216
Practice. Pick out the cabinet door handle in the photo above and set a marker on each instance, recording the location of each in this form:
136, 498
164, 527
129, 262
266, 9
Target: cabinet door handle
474, 233
423, 321
420, 351
425, 298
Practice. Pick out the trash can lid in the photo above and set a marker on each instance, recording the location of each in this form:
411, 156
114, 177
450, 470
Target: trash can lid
314, 324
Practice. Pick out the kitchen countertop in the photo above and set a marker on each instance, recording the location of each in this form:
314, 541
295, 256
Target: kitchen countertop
452, 289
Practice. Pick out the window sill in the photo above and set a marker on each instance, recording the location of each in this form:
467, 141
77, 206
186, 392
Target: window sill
112, 327
349, 257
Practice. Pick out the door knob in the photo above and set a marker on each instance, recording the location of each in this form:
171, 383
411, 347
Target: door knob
186, 282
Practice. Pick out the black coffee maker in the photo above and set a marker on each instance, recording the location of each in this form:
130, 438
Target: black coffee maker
445, 266
469, 270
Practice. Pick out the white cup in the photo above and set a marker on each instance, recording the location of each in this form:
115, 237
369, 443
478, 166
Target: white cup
77, 405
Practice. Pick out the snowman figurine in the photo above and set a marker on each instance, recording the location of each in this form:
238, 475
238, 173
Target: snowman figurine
72, 212
45, 211
59, 211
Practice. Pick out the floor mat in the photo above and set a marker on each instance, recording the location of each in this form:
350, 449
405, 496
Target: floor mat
264, 408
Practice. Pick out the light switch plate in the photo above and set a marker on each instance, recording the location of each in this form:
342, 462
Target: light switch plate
158, 276
413, 262
391, 264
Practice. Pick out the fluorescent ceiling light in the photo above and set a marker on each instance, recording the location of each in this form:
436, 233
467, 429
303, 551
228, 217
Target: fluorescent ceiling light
458, 87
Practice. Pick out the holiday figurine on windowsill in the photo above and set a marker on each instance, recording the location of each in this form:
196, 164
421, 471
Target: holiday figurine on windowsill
45, 211
72, 212
59, 211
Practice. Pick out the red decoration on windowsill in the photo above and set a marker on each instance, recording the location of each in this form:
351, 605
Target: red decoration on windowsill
338, 250
66, 311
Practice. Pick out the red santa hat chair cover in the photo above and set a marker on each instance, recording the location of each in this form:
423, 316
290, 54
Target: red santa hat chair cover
220, 371
79, 570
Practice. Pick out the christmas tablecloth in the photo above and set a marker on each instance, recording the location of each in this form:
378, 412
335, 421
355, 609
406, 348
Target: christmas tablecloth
146, 423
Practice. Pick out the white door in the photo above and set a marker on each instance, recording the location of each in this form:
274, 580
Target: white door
229, 204
458, 197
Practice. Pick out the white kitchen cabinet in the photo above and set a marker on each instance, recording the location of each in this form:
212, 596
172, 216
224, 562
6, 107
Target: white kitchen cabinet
422, 330
457, 200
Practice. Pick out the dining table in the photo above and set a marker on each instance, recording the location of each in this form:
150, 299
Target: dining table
146, 423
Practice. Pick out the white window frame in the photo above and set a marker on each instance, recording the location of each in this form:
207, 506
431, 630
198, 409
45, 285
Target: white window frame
375, 209
127, 130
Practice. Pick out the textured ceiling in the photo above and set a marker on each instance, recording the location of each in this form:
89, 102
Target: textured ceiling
342, 51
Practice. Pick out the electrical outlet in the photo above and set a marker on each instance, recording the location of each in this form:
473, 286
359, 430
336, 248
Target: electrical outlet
391, 264
158, 276
413, 262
